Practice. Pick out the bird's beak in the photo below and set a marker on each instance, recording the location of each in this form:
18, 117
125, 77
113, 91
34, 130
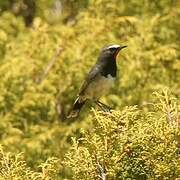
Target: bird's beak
118, 49
122, 47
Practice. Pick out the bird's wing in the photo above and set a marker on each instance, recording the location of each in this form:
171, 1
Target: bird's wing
94, 72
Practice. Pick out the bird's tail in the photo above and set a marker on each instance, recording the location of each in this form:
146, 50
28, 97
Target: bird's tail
78, 104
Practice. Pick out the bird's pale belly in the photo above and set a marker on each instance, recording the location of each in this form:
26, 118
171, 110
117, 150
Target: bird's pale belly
99, 87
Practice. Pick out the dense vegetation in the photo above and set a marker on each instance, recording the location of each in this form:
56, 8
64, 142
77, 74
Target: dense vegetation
46, 48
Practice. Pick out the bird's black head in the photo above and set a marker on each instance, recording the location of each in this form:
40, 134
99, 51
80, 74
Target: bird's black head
111, 51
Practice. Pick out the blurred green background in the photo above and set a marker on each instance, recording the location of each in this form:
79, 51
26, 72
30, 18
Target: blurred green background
34, 33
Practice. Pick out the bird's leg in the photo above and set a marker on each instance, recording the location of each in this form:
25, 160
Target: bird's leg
103, 106
100, 106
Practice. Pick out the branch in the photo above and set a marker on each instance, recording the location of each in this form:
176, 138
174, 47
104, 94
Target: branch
51, 64
101, 169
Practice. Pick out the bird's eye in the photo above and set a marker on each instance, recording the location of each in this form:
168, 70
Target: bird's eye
112, 49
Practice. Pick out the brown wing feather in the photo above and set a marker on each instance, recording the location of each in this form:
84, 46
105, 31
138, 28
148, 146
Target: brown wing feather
89, 78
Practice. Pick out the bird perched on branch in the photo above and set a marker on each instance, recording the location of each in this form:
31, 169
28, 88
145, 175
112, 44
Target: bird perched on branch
99, 80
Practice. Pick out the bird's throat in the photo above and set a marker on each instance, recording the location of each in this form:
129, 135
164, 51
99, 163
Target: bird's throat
115, 54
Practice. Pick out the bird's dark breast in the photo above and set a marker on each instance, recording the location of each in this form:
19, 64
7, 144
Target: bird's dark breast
109, 68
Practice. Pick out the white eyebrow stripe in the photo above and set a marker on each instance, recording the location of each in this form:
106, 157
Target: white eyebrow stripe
113, 46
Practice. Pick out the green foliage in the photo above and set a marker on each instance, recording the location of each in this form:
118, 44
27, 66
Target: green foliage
34, 100
14, 167
130, 144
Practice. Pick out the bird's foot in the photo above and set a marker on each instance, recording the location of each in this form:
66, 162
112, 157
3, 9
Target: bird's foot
103, 106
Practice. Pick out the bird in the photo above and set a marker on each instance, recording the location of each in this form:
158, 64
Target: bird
99, 80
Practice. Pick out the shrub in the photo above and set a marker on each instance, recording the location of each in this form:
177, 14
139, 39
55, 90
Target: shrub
129, 144
14, 167
34, 101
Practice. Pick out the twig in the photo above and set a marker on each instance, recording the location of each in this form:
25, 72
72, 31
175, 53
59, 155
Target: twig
101, 169
51, 64
168, 115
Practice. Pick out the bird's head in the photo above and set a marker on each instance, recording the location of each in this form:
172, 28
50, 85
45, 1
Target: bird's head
111, 51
